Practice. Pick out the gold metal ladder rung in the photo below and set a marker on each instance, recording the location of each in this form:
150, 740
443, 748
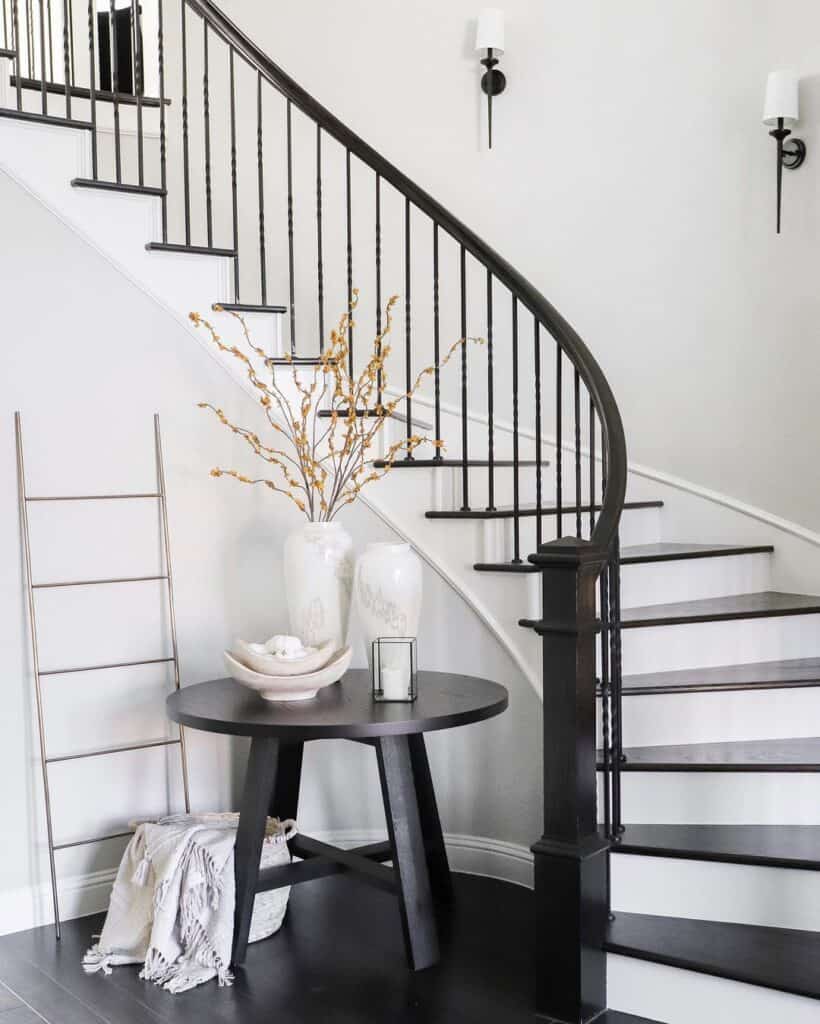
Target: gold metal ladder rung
90, 497
98, 668
113, 750
92, 839
94, 583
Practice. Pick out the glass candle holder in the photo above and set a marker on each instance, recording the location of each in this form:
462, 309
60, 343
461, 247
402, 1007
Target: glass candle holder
395, 676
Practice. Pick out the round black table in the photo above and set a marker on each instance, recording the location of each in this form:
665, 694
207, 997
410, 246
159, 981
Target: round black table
420, 875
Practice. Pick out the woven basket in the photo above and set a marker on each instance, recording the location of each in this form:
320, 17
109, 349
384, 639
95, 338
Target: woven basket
269, 908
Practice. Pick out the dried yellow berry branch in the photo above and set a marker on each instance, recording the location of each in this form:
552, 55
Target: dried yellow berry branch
325, 467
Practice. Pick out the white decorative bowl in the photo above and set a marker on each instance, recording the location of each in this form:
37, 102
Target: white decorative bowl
274, 665
301, 687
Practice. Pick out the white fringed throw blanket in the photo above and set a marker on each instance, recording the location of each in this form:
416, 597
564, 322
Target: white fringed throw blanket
172, 905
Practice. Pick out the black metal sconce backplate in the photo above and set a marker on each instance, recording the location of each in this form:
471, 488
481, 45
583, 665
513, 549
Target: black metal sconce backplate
493, 81
794, 153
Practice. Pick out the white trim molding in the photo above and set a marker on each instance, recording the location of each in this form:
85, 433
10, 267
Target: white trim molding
468, 855
30, 907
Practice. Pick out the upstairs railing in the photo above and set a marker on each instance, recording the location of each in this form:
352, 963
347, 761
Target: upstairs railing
247, 165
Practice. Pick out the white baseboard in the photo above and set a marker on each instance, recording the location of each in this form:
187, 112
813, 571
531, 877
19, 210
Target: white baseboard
30, 906
468, 855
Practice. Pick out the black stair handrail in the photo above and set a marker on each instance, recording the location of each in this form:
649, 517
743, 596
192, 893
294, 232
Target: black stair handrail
614, 451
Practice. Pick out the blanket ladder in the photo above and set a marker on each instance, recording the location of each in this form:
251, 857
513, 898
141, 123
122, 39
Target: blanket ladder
45, 759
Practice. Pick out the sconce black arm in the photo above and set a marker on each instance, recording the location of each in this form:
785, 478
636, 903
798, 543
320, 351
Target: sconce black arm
791, 158
493, 82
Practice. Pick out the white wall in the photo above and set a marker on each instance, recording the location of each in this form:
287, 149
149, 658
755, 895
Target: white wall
632, 181
87, 359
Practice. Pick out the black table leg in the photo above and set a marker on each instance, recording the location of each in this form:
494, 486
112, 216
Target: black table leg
285, 800
437, 864
407, 842
260, 781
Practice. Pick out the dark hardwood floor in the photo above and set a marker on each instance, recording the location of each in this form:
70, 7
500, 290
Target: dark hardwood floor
14, 1011
339, 959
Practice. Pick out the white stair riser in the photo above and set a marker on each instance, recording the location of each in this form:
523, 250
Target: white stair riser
742, 893
691, 579
720, 716
717, 798
700, 644
106, 151
684, 997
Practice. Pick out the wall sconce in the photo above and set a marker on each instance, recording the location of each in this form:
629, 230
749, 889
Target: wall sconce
490, 37
782, 110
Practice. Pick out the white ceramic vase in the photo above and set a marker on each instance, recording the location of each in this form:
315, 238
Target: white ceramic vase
318, 563
387, 592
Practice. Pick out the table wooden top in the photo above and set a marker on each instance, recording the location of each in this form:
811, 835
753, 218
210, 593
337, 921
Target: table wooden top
346, 709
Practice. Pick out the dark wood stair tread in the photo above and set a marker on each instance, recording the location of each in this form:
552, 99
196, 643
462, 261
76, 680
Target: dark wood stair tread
295, 361
785, 755
79, 92
766, 604
398, 414
194, 250
59, 122
784, 959
118, 186
641, 554
516, 568
247, 307
456, 463
781, 846
507, 511
5, 52
765, 675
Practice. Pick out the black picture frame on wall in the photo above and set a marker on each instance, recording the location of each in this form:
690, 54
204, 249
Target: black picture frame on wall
124, 37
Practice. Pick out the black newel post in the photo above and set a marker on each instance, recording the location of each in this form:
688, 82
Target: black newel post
571, 858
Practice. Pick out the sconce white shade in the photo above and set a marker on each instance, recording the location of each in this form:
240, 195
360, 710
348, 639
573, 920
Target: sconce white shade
782, 92
490, 31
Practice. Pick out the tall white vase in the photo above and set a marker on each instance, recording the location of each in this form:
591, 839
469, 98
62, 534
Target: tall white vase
387, 592
318, 566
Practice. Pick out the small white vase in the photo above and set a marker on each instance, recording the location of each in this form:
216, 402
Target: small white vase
318, 563
387, 592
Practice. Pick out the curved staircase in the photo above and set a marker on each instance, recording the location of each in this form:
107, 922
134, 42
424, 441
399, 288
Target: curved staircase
696, 677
